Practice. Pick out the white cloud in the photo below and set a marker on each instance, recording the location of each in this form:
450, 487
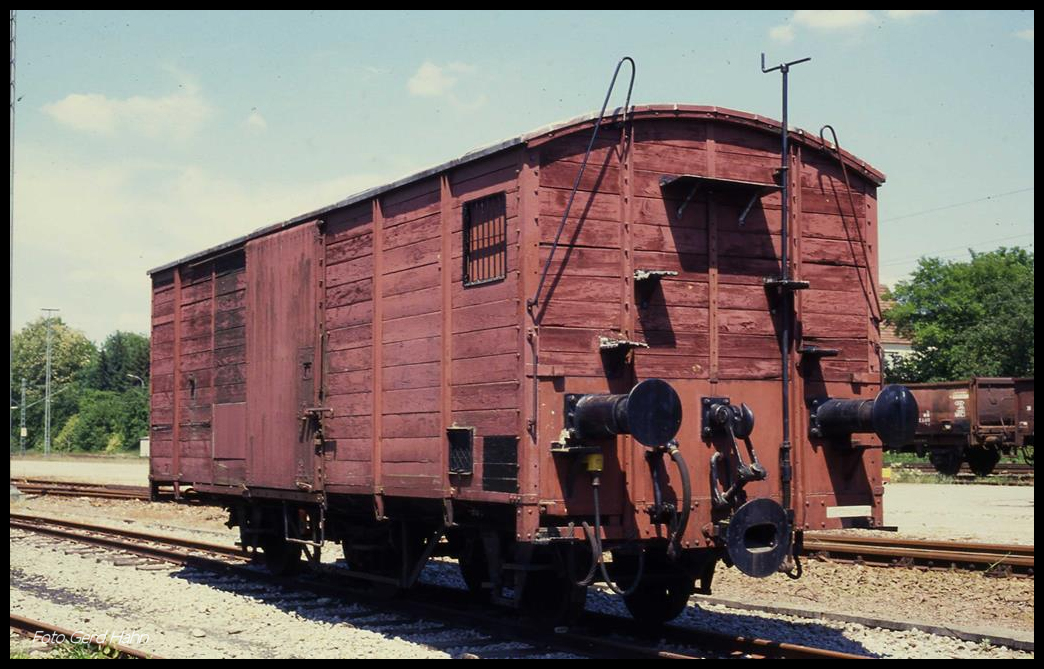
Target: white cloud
87, 251
1025, 34
256, 122
783, 34
434, 81
832, 19
909, 13
178, 115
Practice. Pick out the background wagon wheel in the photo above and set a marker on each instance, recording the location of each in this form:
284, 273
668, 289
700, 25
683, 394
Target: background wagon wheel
947, 461
983, 460
281, 557
474, 569
551, 597
660, 598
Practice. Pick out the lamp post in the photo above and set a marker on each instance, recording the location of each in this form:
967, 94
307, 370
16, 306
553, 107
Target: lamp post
140, 380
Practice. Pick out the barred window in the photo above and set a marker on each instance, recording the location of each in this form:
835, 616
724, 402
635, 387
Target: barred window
485, 240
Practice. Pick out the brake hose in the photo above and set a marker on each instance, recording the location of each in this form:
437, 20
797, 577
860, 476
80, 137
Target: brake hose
686, 501
595, 539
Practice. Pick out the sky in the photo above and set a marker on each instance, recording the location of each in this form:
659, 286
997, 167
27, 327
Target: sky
142, 137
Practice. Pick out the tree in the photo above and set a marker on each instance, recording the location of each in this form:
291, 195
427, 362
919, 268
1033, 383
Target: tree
966, 319
121, 355
71, 355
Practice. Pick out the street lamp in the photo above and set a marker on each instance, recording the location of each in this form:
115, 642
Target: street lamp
140, 380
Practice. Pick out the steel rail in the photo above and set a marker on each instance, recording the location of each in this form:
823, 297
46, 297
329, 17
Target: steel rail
30, 628
437, 600
918, 552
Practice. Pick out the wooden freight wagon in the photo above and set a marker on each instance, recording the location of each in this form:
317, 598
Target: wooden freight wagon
382, 372
969, 421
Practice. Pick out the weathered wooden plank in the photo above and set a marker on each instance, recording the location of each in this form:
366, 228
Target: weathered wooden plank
396, 426
411, 351
230, 283
485, 316
227, 320
359, 313
349, 248
232, 337
604, 206
413, 450
485, 396
413, 231
343, 383
411, 376
356, 336
415, 303
487, 369
351, 404
411, 327
488, 421
349, 271
485, 342
348, 360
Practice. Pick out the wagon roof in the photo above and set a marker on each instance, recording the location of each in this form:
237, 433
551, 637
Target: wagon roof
546, 133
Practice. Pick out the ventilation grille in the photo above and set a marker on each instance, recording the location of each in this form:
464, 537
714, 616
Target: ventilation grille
500, 463
461, 449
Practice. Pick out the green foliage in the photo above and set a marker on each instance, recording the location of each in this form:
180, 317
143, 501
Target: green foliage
108, 420
65, 440
71, 355
122, 355
95, 405
966, 319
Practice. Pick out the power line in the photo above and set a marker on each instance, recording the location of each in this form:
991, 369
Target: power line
949, 257
988, 241
959, 204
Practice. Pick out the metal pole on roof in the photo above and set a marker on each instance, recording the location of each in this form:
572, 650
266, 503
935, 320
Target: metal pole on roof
785, 294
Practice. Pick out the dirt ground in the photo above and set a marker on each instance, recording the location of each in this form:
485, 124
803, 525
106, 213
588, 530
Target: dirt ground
990, 513
125, 471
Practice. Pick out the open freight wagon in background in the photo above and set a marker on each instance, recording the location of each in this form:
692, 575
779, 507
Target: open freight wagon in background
974, 421
377, 374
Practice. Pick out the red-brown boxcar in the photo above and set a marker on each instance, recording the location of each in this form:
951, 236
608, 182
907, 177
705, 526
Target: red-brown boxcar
1024, 417
377, 372
972, 421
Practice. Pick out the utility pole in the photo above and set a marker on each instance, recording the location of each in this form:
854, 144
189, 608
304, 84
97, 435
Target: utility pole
47, 389
10, 283
21, 431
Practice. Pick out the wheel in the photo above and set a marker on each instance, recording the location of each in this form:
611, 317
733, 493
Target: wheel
281, 557
947, 461
549, 597
660, 598
982, 460
1027, 454
474, 569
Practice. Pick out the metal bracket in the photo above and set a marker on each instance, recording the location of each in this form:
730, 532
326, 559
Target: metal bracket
719, 416
645, 282
810, 351
785, 284
609, 345
567, 444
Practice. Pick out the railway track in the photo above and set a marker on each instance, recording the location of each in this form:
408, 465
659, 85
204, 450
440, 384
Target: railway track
35, 629
994, 559
1017, 471
599, 635
75, 489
